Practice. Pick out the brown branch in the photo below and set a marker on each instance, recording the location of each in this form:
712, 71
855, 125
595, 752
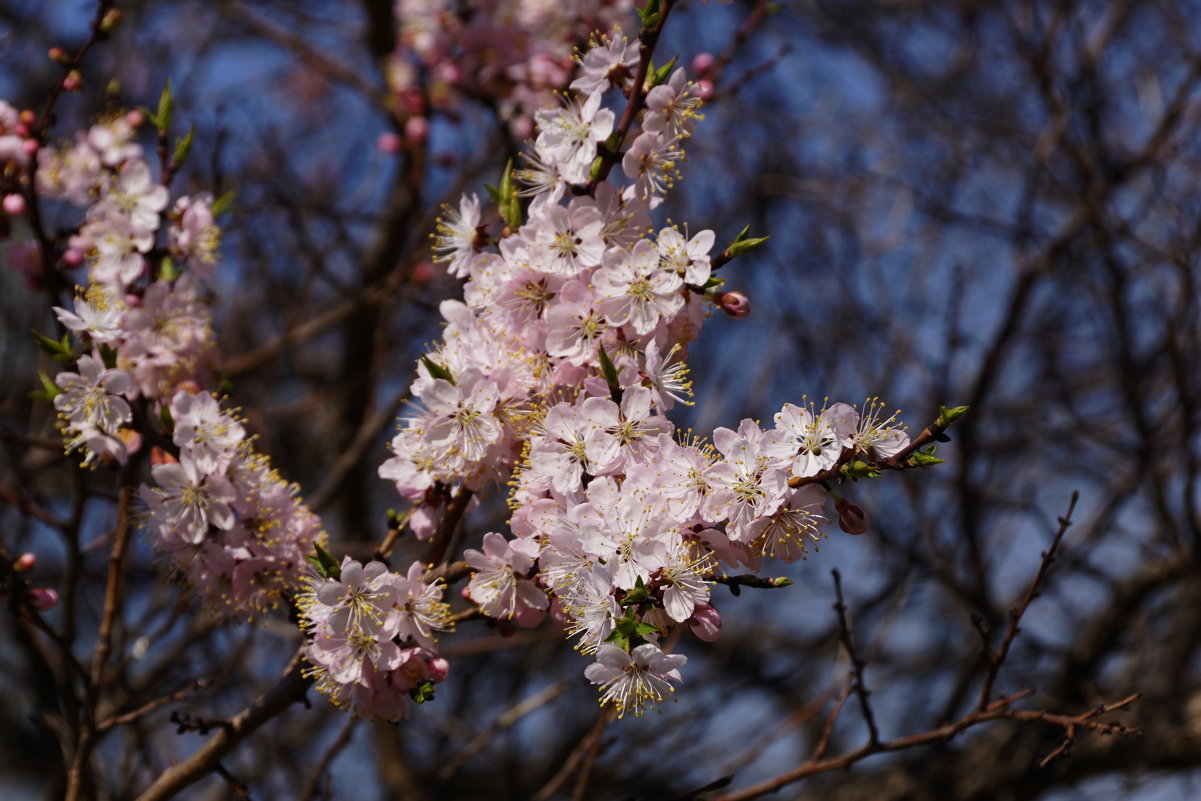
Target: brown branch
857, 664
583, 747
290, 690
1015, 615
999, 710
327, 758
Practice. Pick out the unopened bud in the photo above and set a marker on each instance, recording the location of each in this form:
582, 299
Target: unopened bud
704, 89
437, 669
851, 518
389, 142
423, 271
43, 598
417, 129
21, 130
73, 257
59, 55
702, 63
110, 20
523, 127
73, 82
135, 118
705, 623
25, 562
735, 304
30, 146
412, 100
14, 204
27, 117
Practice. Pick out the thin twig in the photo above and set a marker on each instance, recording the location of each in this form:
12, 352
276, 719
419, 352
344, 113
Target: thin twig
1015, 615
857, 664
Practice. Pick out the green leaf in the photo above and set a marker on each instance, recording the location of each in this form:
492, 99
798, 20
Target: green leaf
166, 107
924, 460
49, 390
436, 370
948, 416
108, 356
608, 370
622, 641
659, 75
858, 468
183, 146
643, 629
744, 244
494, 193
649, 14
781, 581
59, 349
224, 203
326, 563
164, 417
423, 692
594, 170
167, 269
509, 205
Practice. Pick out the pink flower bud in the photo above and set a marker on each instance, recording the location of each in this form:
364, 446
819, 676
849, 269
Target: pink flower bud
851, 518
417, 129
412, 101
523, 127
702, 63
135, 118
437, 669
30, 146
14, 204
58, 54
73, 257
389, 142
27, 117
73, 82
465, 594
705, 623
42, 598
21, 129
25, 562
704, 89
422, 272
735, 304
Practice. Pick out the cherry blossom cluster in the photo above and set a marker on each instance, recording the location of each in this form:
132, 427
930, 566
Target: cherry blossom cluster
515, 53
371, 638
232, 526
555, 374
